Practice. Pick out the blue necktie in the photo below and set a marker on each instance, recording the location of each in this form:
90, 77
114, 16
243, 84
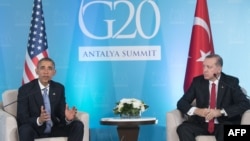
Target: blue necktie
47, 109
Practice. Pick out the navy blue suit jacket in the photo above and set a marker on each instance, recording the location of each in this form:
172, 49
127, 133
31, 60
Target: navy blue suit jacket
30, 101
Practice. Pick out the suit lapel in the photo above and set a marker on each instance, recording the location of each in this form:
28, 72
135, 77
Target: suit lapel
52, 95
206, 92
221, 90
38, 95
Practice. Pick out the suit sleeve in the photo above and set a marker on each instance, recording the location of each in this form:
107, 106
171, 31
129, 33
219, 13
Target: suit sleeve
239, 101
23, 112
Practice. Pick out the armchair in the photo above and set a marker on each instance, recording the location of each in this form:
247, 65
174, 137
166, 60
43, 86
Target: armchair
175, 118
8, 128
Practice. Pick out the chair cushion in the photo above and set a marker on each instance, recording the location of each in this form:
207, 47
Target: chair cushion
205, 138
9, 98
53, 139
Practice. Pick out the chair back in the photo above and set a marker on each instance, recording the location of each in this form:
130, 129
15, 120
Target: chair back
9, 98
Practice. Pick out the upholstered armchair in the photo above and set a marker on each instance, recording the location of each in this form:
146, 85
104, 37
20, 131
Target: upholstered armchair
8, 128
175, 118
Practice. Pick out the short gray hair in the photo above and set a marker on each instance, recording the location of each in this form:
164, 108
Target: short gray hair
219, 61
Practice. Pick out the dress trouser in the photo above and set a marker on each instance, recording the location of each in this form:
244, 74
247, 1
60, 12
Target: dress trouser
187, 131
74, 132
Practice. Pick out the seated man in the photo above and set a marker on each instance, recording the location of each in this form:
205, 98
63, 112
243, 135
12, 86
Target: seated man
40, 116
219, 101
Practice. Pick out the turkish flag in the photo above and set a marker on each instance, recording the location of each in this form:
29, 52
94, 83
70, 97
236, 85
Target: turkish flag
201, 43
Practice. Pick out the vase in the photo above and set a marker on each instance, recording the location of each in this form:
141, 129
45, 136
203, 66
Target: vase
127, 116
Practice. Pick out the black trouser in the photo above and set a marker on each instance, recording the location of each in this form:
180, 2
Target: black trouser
74, 132
187, 131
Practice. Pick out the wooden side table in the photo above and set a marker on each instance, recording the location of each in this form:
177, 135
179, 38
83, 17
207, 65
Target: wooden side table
128, 129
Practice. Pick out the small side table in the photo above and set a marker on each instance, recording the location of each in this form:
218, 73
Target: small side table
128, 129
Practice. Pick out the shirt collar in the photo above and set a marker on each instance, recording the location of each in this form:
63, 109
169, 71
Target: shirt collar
42, 86
216, 81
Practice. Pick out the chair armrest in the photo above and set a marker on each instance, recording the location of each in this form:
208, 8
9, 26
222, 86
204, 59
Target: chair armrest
245, 118
8, 128
84, 117
174, 119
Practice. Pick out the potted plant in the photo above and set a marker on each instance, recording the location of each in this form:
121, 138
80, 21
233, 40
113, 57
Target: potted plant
130, 108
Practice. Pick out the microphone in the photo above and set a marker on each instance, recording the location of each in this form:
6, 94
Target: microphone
21, 99
243, 90
10, 103
24, 97
230, 86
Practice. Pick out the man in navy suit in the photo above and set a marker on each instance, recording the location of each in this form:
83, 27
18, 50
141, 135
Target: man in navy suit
230, 102
32, 116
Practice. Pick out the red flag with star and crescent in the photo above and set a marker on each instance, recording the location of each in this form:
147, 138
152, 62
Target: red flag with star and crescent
201, 43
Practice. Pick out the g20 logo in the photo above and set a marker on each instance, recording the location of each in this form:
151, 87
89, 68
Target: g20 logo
133, 13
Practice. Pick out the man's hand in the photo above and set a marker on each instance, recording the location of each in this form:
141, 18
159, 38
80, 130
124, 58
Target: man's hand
43, 116
70, 113
213, 113
202, 112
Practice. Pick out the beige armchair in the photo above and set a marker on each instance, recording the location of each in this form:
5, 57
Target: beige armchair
175, 118
8, 128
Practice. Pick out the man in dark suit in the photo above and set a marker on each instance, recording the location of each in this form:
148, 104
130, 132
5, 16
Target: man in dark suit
229, 105
35, 118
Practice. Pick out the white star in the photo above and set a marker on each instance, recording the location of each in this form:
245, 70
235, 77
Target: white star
203, 56
40, 41
41, 34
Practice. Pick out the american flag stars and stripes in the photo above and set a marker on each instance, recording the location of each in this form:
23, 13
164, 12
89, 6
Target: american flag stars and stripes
37, 47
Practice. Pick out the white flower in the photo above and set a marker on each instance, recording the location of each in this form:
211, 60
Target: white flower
129, 106
137, 104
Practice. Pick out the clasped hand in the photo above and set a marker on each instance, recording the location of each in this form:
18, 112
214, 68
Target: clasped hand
208, 114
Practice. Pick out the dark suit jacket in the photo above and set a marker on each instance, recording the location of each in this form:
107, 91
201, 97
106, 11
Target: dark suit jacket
229, 96
30, 101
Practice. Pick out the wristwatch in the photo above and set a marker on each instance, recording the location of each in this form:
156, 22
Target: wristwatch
223, 112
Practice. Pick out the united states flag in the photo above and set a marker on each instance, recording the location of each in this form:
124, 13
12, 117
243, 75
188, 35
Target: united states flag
37, 43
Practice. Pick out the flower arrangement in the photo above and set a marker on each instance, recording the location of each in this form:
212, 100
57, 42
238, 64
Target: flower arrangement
130, 107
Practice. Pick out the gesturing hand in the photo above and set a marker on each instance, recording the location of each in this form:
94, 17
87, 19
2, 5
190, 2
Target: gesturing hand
70, 113
44, 116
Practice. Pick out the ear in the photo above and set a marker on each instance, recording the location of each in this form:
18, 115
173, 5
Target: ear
54, 72
36, 71
219, 69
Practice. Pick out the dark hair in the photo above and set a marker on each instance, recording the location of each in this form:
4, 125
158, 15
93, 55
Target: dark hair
46, 59
219, 59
